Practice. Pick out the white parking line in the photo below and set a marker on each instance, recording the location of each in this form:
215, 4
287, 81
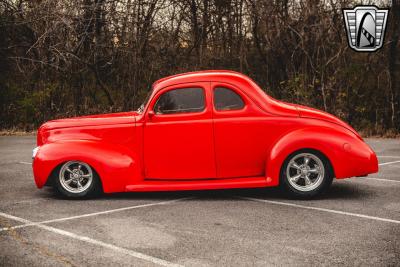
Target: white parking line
379, 179
92, 241
391, 162
23, 162
92, 214
322, 209
389, 156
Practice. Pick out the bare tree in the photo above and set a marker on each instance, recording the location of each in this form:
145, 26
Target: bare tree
65, 58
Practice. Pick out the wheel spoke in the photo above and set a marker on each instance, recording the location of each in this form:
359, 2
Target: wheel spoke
69, 170
307, 180
306, 160
315, 170
295, 178
86, 175
294, 165
79, 184
69, 181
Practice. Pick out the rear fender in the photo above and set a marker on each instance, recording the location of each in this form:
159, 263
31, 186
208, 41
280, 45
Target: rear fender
326, 140
116, 165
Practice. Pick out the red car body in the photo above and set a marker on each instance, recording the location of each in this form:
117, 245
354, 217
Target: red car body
144, 151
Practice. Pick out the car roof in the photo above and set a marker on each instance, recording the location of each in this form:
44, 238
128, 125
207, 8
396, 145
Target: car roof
204, 75
239, 80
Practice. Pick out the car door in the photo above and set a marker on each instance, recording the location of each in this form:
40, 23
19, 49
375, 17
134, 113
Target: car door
240, 133
178, 134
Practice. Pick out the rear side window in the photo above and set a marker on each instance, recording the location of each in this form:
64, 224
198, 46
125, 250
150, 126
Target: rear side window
227, 99
184, 100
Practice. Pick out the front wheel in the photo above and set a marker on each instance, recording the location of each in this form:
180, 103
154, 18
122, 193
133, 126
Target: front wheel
306, 173
76, 179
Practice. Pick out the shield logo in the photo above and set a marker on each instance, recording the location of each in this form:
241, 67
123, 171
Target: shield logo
365, 26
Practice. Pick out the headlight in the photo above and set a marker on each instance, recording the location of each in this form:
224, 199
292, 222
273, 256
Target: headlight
34, 152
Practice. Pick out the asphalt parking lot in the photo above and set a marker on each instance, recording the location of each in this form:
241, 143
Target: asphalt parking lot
356, 223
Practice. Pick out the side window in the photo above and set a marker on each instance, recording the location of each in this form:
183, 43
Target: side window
226, 99
185, 100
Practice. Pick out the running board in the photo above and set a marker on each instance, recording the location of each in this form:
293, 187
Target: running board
157, 185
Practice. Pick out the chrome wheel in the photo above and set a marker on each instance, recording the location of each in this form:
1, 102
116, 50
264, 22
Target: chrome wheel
305, 172
76, 176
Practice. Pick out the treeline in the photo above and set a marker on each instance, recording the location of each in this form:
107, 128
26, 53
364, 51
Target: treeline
62, 58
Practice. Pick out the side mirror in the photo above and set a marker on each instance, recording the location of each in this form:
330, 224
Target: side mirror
150, 114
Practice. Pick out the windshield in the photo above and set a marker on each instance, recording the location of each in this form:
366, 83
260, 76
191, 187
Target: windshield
141, 108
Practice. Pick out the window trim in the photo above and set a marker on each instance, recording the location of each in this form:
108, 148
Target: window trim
236, 91
164, 91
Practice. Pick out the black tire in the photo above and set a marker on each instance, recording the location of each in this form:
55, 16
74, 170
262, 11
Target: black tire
94, 189
302, 189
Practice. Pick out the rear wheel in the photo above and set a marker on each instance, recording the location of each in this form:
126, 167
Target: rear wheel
306, 173
76, 179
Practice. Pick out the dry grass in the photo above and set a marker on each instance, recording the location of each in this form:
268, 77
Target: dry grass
15, 132
379, 133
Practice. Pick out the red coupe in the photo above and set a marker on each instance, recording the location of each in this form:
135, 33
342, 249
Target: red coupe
201, 130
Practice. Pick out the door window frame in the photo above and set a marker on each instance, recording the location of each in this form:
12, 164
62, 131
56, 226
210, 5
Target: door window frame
205, 86
185, 112
229, 89
246, 101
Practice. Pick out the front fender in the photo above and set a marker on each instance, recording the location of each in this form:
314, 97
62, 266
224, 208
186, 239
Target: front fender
116, 165
348, 155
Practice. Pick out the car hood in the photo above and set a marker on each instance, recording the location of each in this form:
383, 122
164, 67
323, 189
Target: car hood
307, 112
92, 120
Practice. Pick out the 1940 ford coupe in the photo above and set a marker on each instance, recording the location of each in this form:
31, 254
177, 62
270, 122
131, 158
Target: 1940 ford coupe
196, 131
